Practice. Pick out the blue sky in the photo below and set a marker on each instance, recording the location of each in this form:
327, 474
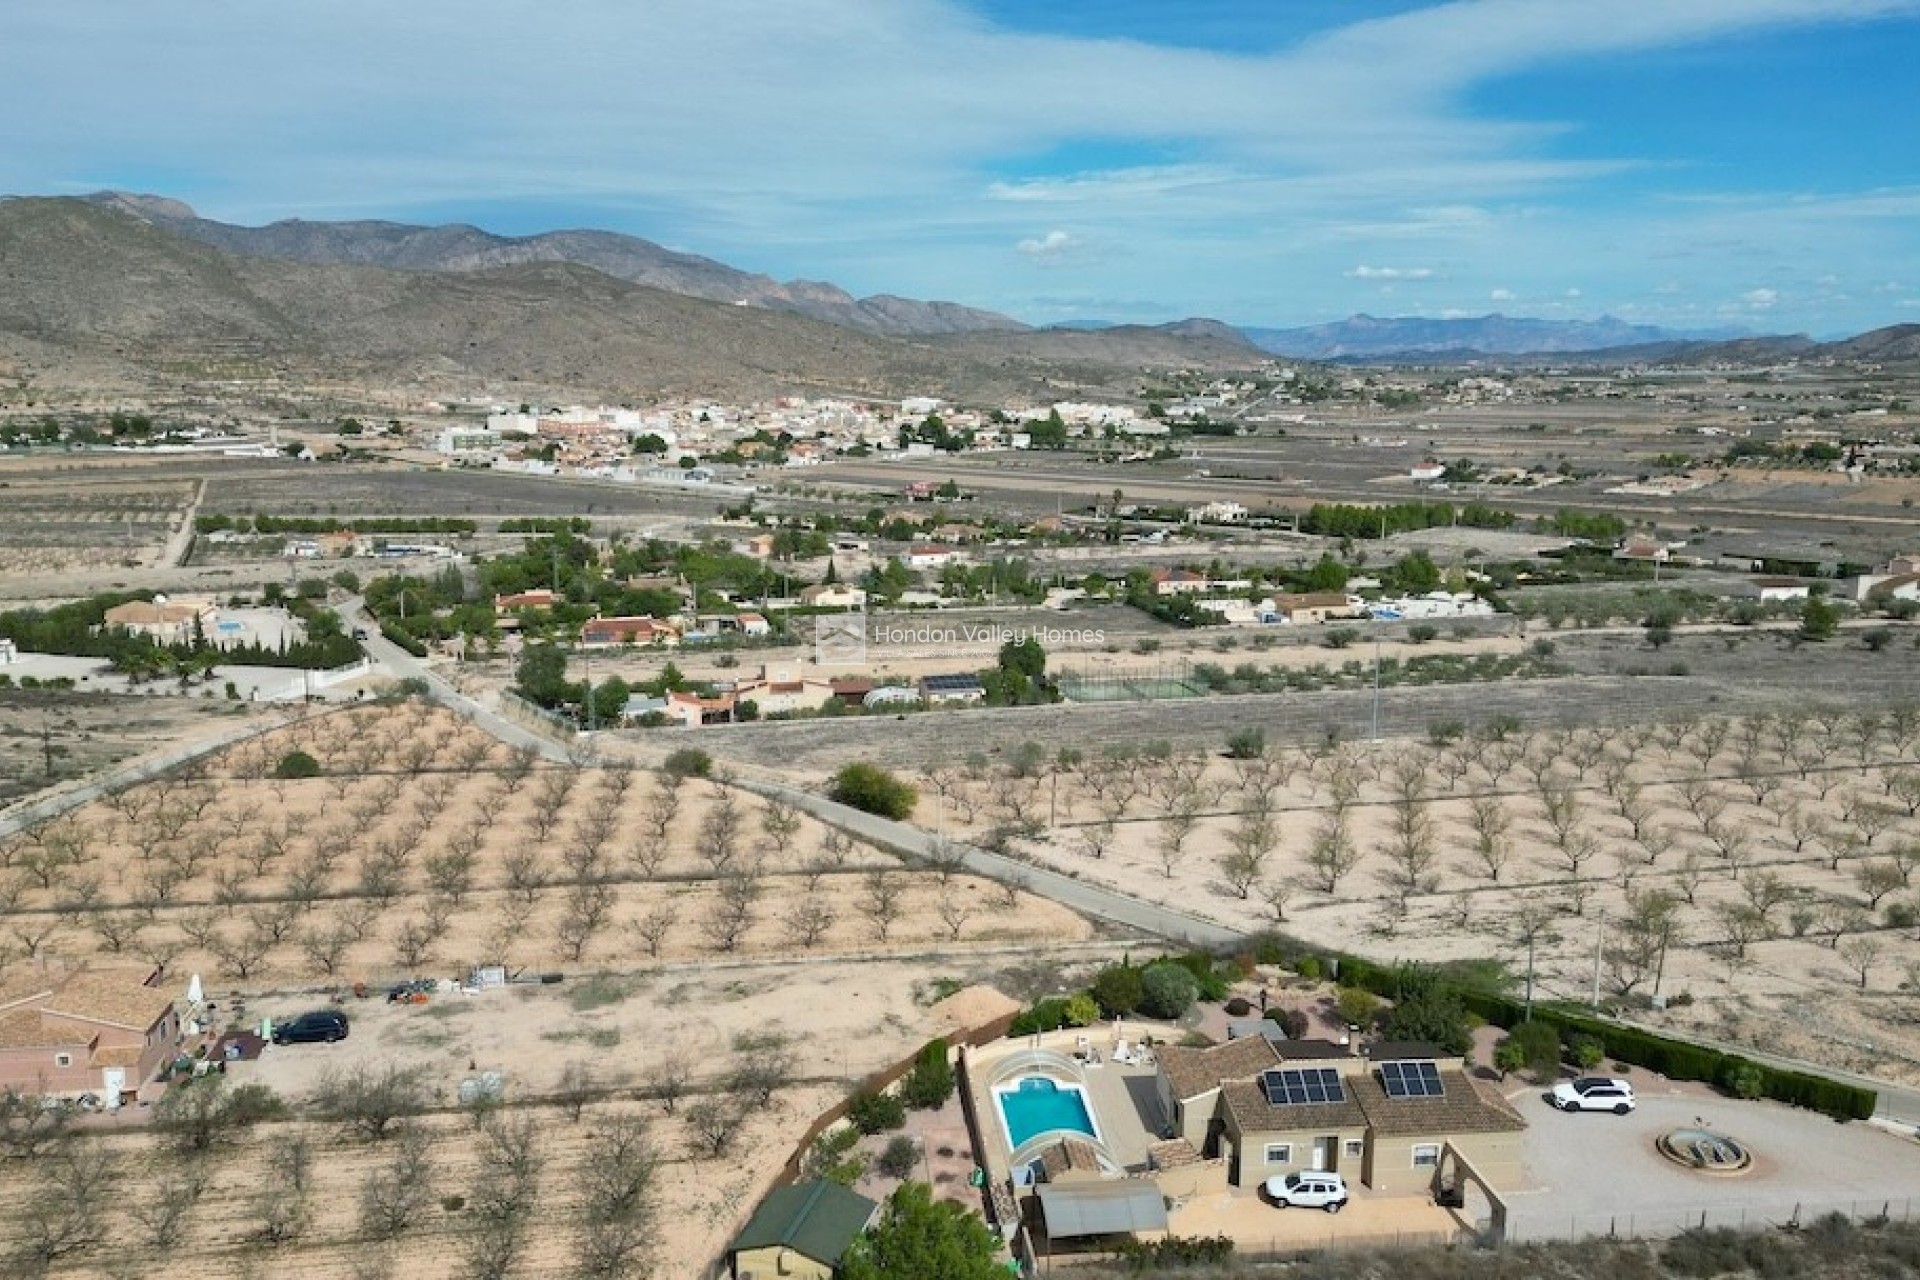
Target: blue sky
1691, 163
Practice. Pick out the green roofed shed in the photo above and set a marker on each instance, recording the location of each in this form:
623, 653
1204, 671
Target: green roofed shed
811, 1222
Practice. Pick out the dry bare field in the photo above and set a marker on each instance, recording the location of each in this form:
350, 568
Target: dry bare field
1764, 866
426, 847
730, 966
51, 525
82, 734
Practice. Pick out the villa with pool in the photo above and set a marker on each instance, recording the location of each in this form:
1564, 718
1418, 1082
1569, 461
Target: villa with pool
1082, 1141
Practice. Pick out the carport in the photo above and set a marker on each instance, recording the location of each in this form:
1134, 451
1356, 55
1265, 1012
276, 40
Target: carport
1122, 1206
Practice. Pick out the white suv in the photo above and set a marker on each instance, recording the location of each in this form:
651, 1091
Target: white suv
1308, 1191
1593, 1093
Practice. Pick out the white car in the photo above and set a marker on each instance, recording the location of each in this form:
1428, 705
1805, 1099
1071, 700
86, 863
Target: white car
1308, 1190
1593, 1093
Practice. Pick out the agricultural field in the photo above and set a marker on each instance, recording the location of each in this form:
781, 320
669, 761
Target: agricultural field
51, 738
1757, 873
729, 966
421, 845
53, 524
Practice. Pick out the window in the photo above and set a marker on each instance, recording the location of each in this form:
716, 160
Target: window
1426, 1155
62, 1059
1279, 1153
1355, 1148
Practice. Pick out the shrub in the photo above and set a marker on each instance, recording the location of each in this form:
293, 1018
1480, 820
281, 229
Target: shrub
872, 1112
1338, 637
1292, 1021
1743, 1079
1238, 1008
871, 789
1082, 1010
1309, 967
297, 764
1167, 990
689, 762
898, 1159
1587, 1052
1117, 990
1531, 1046
1357, 1006
930, 1083
1209, 982
1248, 744
1045, 1015
1421, 632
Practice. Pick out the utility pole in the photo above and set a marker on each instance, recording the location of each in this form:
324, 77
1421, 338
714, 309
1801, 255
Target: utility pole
1376, 688
1599, 939
1531, 938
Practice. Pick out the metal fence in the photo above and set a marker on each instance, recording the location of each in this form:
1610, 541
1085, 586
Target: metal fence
1523, 1228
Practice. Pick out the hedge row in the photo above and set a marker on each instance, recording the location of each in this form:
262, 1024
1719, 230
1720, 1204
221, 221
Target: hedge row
1670, 1057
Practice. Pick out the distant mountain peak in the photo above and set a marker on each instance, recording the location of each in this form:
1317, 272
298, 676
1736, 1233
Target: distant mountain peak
462, 247
1363, 336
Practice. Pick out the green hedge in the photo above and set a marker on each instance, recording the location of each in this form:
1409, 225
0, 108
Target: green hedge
1670, 1057
405, 641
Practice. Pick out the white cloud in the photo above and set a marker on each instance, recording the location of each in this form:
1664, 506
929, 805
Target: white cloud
1575, 293
811, 137
1503, 295
1760, 299
1364, 272
1052, 246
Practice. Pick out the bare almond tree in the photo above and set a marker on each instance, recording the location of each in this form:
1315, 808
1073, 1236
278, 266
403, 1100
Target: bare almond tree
1491, 822
1331, 853
954, 909
880, 896
653, 927
808, 920
1251, 842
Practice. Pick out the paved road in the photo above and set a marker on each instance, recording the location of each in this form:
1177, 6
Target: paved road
1088, 899
405, 666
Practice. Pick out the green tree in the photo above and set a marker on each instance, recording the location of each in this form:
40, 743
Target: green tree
919, 1238
1818, 619
542, 676
929, 1083
1430, 1012
872, 789
297, 764
1326, 575
1118, 990
1167, 990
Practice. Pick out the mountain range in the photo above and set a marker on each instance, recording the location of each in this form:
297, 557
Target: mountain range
458, 247
119, 289
1369, 337
113, 290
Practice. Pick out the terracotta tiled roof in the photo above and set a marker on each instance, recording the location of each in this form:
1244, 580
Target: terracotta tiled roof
1246, 1102
1191, 1072
116, 1055
113, 999
1463, 1107
1070, 1154
1172, 1153
25, 1029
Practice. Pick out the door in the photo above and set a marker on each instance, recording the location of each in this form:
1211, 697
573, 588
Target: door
1326, 1154
113, 1082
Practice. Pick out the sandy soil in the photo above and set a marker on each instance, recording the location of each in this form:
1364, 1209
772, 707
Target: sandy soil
1721, 825
423, 850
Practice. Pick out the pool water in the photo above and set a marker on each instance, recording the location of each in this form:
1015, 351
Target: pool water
1038, 1105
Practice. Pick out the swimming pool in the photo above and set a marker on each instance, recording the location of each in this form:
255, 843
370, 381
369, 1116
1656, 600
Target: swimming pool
228, 626
1035, 1105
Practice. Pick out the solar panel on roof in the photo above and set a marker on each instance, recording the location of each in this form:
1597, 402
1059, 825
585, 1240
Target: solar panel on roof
1299, 1086
1410, 1080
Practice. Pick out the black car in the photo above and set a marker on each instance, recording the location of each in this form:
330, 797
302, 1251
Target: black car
319, 1026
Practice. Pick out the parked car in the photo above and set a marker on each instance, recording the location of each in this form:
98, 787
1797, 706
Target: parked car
1308, 1190
319, 1026
1593, 1093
